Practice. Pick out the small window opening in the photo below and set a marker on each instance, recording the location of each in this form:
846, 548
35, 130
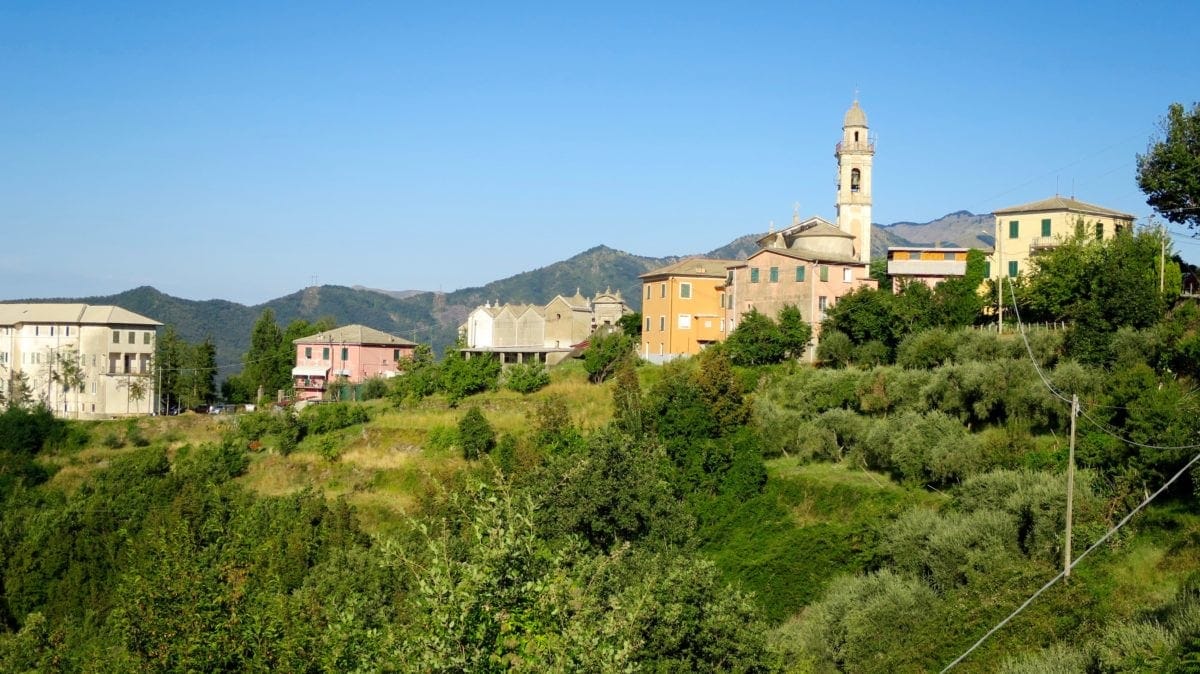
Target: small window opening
855, 179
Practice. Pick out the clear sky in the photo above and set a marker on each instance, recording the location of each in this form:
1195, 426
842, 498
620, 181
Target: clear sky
236, 150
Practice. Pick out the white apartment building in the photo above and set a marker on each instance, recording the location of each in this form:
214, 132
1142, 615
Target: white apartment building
81, 361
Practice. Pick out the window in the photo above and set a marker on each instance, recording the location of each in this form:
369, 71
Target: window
1117, 229
947, 256
822, 305
145, 337
774, 274
662, 323
800, 274
132, 337
824, 272
847, 275
662, 290
1099, 230
345, 354
647, 291
855, 179
685, 321
116, 336
37, 330
1046, 227
325, 353
308, 352
722, 297
754, 274
51, 330
685, 290
1014, 228
395, 355
647, 324
1012, 269
987, 268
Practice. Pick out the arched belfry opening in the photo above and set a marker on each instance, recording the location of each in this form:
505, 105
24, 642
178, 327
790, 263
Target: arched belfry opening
855, 180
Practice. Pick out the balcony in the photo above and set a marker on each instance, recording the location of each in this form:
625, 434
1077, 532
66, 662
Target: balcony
867, 147
1043, 243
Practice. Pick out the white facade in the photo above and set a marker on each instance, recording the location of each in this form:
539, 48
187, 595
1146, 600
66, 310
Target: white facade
855, 157
110, 348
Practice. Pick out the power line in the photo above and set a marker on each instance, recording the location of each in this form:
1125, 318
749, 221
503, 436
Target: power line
1125, 520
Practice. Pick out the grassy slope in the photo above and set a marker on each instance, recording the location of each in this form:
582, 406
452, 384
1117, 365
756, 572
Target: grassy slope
812, 523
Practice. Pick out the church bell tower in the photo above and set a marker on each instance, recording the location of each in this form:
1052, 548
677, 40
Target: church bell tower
854, 156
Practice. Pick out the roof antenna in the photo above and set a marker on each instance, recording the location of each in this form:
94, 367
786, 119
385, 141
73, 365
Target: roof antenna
796, 213
1057, 180
771, 229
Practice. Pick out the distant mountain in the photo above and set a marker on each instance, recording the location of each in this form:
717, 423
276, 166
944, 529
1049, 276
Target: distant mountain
434, 317
398, 294
960, 228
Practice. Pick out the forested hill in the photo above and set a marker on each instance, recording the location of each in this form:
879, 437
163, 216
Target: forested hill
434, 317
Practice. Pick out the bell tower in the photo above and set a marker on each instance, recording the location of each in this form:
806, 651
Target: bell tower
854, 156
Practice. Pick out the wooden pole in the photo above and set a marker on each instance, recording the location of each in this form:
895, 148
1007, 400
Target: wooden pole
1070, 488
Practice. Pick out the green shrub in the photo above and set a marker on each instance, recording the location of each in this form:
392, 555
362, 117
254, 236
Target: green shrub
835, 348
949, 550
526, 377
926, 349
374, 388
441, 438
475, 434
605, 353
872, 353
327, 417
113, 441
133, 434
329, 448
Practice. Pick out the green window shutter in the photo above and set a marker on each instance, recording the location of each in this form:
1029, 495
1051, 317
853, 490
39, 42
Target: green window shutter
754, 274
1012, 269
308, 352
774, 274
987, 269
1046, 227
345, 353
800, 274
685, 290
325, 353
1014, 228
824, 272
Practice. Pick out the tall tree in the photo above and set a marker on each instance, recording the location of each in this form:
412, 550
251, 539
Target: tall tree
260, 367
1169, 172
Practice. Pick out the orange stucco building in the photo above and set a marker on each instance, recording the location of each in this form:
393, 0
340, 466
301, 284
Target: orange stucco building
683, 308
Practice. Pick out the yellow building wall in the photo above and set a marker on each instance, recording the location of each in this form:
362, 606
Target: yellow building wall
1030, 235
677, 325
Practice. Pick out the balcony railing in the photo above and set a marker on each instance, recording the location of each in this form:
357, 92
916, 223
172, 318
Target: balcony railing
852, 146
1042, 243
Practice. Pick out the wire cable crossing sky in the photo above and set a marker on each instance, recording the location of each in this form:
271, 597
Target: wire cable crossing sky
237, 151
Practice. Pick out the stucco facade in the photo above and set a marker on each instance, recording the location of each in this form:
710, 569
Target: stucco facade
524, 332
1021, 231
350, 354
683, 308
111, 348
855, 164
928, 265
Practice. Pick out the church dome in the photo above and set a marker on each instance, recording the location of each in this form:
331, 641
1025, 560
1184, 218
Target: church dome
855, 116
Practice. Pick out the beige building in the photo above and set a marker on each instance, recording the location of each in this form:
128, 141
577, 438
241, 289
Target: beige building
1022, 231
526, 332
683, 308
110, 349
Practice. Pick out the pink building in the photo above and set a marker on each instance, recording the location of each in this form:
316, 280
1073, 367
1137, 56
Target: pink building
349, 354
809, 265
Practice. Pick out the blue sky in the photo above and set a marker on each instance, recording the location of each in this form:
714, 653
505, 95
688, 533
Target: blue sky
235, 150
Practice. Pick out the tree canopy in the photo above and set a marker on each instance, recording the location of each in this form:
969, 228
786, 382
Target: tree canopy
1169, 172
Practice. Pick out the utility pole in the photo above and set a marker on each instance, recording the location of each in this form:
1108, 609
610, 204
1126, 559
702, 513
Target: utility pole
1070, 488
1162, 259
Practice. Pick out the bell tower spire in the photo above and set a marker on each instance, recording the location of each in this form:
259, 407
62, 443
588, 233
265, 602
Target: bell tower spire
854, 155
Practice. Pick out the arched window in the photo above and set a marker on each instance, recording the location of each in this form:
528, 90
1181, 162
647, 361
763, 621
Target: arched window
855, 179
855, 136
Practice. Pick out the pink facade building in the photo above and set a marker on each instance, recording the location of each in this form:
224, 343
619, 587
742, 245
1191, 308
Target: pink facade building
350, 354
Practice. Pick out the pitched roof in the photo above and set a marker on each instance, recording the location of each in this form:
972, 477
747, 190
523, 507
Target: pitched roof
693, 266
855, 116
805, 254
13, 314
354, 334
1057, 203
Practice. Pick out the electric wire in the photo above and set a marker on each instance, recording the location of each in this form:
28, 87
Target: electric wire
1125, 520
